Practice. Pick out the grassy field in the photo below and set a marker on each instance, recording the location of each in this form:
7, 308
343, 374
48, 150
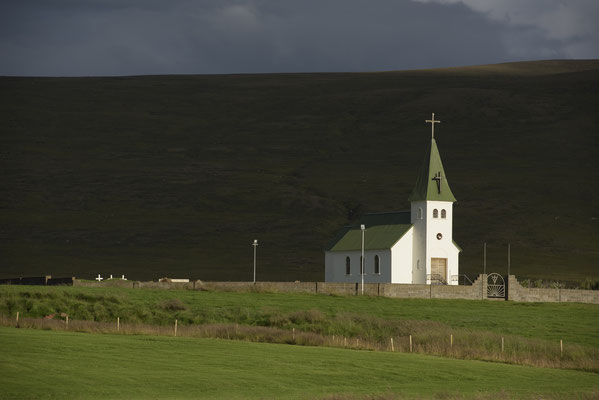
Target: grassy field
573, 322
48, 364
340, 315
176, 175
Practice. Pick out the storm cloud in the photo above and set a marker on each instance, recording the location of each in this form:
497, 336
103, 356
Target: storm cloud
134, 37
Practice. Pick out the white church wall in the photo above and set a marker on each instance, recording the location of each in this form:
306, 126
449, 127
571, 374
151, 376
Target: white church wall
453, 268
401, 257
418, 218
444, 247
384, 263
335, 266
427, 245
329, 266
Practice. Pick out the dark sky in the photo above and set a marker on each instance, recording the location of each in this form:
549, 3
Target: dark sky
134, 37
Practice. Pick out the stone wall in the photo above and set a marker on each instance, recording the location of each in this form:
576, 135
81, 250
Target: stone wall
289, 287
165, 285
337, 288
517, 292
226, 286
477, 291
579, 296
405, 291
456, 292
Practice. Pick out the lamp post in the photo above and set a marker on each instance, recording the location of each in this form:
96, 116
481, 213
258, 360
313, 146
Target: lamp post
362, 228
255, 244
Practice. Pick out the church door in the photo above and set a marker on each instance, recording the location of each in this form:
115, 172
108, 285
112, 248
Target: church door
439, 271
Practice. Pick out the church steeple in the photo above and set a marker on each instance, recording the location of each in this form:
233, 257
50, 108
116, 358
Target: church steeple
432, 184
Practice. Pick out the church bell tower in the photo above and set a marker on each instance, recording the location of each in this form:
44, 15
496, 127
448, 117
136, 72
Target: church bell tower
435, 254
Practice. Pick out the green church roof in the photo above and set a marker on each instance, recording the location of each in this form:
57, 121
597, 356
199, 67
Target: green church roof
378, 237
373, 219
432, 183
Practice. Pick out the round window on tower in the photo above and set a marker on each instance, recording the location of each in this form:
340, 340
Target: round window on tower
439, 236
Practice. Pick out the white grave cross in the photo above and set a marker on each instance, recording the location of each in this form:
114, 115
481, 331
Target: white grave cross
99, 278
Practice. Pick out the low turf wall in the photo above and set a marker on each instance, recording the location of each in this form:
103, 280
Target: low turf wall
106, 283
38, 280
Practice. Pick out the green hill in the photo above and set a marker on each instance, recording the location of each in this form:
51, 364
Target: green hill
176, 175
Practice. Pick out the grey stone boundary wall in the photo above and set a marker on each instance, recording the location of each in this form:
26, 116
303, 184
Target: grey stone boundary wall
518, 293
478, 290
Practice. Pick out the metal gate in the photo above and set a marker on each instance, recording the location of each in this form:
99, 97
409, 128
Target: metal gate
495, 286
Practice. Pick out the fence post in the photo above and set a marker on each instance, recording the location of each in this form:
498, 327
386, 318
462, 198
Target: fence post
17, 317
293, 333
451, 340
502, 344
561, 348
410, 343
176, 327
67, 321
392, 348
118, 324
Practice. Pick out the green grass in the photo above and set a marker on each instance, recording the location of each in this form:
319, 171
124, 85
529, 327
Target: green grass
574, 323
48, 364
176, 175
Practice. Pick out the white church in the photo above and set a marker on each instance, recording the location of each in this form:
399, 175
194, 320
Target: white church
413, 246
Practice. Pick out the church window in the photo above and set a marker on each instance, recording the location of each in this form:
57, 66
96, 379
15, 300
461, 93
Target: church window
435, 213
377, 265
347, 266
443, 214
418, 264
420, 213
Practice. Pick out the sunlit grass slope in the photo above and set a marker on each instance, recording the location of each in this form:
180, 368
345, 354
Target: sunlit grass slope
47, 364
574, 323
176, 175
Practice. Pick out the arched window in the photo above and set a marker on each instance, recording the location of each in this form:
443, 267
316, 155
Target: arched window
420, 213
443, 214
361, 266
417, 264
347, 266
377, 265
435, 213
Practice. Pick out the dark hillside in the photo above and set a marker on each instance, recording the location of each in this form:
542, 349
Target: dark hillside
176, 175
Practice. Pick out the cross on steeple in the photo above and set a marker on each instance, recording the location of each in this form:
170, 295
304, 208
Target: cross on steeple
438, 177
432, 122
